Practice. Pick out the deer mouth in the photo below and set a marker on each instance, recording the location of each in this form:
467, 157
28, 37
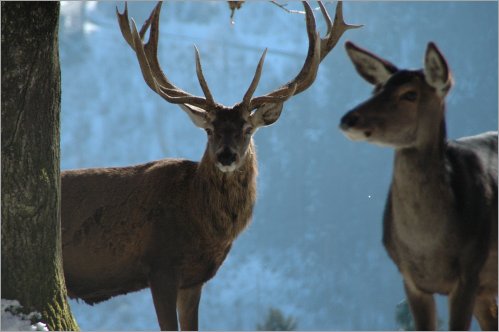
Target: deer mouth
227, 160
351, 125
357, 134
226, 168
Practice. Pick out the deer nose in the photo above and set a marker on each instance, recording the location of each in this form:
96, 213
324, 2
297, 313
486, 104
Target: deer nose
226, 157
349, 120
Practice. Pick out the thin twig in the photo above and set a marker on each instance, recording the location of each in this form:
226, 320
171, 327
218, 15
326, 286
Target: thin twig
291, 11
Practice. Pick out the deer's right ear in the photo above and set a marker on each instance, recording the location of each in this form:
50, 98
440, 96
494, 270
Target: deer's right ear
198, 115
371, 67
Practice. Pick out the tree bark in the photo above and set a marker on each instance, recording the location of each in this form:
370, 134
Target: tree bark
31, 97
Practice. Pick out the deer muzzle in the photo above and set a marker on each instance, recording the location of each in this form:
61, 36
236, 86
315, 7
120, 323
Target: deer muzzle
351, 124
226, 160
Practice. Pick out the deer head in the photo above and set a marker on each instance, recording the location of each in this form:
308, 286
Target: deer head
230, 129
407, 107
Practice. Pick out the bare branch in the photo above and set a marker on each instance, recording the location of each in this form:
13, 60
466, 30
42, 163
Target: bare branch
283, 6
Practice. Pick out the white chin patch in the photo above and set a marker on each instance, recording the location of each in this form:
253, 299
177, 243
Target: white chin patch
226, 168
360, 135
355, 135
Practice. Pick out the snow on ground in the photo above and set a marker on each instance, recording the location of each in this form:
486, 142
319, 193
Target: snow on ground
12, 320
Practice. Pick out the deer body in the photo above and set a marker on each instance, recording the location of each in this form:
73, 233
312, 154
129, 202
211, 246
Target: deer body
440, 219
129, 231
169, 224
441, 215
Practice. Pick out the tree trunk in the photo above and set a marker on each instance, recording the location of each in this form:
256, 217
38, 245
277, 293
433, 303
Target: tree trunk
31, 95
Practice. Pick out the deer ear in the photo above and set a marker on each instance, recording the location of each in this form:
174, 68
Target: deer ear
198, 115
371, 67
266, 114
436, 70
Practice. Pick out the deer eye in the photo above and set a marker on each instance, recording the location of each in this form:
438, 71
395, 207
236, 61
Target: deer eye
410, 96
248, 130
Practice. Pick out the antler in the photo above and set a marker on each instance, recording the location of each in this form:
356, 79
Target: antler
149, 65
155, 78
334, 30
318, 48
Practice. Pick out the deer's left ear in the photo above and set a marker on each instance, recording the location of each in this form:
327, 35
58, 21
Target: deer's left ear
266, 114
436, 70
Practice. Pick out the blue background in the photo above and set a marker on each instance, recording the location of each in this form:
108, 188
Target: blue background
314, 247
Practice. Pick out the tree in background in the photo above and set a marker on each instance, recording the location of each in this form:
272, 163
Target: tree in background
31, 95
403, 317
276, 321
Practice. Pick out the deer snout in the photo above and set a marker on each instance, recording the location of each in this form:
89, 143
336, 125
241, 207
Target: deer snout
355, 126
349, 120
226, 157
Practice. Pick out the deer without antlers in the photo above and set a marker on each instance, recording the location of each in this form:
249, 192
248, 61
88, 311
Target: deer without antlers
440, 219
169, 224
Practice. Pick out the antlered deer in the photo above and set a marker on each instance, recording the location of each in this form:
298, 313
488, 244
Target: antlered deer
169, 224
440, 220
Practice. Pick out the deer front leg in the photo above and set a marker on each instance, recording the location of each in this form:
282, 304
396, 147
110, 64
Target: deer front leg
422, 307
461, 303
485, 312
188, 304
164, 285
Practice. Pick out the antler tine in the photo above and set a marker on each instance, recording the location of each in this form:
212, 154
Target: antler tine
125, 25
201, 79
151, 47
143, 63
307, 74
167, 93
254, 82
334, 30
317, 50
148, 60
278, 96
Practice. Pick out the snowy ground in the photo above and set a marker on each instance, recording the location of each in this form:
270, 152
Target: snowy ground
12, 321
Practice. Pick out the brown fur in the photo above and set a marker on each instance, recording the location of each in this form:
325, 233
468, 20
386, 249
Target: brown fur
169, 224
440, 220
120, 224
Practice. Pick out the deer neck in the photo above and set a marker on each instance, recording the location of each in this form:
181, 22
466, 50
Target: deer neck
423, 163
419, 169
431, 132
228, 197
420, 190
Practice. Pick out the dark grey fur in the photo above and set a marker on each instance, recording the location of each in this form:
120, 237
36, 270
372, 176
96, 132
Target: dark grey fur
440, 219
